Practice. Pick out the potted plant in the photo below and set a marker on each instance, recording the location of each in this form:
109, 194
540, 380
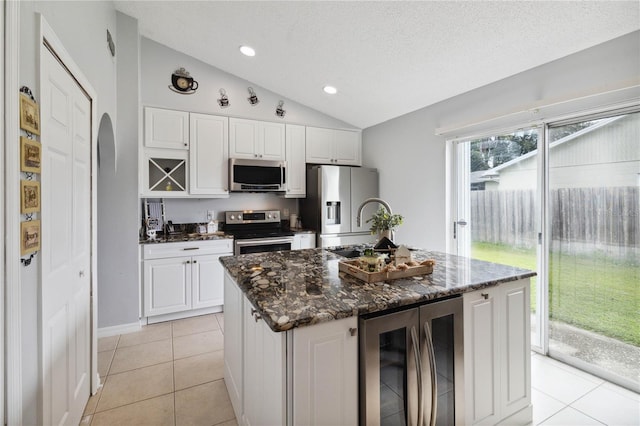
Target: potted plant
383, 223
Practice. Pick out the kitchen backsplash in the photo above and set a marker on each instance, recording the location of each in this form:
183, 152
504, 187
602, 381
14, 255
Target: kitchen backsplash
195, 210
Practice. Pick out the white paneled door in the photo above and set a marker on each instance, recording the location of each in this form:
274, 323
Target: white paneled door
66, 244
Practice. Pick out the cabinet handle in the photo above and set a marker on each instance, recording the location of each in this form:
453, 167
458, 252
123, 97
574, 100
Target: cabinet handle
190, 248
195, 261
255, 314
484, 295
81, 274
353, 331
188, 261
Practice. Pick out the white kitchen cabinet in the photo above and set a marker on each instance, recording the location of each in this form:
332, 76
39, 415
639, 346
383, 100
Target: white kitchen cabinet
325, 379
331, 146
295, 154
497, 354
164, 173
181, 277
310, 373
208, 155
167, 285
304, 240
164, 128
256, 139
265, 379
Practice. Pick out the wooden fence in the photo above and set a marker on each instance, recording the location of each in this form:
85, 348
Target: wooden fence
582, 217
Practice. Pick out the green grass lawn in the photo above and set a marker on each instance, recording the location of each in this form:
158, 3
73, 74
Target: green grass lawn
593, 292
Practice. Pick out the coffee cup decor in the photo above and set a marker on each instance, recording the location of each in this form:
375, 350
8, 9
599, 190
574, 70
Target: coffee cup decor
182, 82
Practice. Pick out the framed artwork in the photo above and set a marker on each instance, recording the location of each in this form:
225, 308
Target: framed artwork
30, 155
29, 237
29, 115
29, 196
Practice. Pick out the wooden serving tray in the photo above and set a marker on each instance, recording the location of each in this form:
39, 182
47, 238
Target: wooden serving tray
351, 267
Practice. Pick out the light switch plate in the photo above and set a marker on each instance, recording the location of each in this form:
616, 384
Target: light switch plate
211, 214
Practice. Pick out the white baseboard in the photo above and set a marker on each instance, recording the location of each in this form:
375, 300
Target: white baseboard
184, 314
119, 329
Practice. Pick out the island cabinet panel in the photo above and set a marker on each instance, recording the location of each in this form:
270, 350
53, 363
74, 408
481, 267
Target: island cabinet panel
264, 377
497, 354
325, 373
233, 344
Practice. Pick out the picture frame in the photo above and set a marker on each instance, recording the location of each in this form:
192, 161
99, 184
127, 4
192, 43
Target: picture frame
30, 155
29, 196
29, 115
29, 237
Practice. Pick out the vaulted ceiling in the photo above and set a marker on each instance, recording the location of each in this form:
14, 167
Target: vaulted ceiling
386, 58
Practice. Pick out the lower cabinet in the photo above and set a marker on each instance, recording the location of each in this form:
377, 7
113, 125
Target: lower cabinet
181, 277
497, 353
304, 241
304, 376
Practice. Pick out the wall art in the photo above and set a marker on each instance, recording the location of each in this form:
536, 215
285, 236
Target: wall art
30, 155
29, 115
29, 196
29, 237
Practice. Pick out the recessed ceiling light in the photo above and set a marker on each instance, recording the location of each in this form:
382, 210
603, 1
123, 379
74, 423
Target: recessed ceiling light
247, 51
330, 90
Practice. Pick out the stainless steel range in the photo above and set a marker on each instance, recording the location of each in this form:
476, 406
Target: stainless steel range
257, 231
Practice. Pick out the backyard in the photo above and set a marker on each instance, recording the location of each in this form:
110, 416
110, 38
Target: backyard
593, 292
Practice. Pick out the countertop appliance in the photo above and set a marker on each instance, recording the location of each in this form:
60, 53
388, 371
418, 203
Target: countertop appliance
256, 175
257, 231
412, 365
334, 194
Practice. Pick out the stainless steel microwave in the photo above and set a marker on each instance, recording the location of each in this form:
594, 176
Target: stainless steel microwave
256, 175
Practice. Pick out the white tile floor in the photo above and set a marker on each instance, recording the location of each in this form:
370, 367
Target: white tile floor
172, 374
563, 395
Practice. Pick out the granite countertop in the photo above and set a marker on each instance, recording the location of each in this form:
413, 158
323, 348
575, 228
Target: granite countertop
178, 238
304, 287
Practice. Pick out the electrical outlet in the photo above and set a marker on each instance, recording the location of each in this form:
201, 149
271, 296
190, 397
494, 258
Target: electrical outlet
286, 213
211, 214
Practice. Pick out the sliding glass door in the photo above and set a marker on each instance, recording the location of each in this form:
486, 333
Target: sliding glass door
594, 250
564, 202
498, 204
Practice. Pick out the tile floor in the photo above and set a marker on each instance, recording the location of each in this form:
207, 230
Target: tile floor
172, 374
169, 373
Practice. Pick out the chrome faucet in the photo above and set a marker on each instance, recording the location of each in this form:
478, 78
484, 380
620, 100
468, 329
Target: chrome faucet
371, 200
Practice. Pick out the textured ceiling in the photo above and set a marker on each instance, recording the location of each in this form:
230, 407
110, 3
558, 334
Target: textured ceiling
386, 58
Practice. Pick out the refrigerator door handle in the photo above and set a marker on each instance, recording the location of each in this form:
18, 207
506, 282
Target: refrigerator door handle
416, 353
432, 374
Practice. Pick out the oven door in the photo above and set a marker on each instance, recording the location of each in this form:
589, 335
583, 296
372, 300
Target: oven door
261, 245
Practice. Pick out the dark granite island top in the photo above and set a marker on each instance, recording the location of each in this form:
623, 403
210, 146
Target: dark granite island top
304, 287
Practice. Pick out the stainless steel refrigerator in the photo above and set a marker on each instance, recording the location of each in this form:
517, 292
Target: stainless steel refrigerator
334, 194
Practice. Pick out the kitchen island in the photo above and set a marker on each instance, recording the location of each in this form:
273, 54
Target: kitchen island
291, 355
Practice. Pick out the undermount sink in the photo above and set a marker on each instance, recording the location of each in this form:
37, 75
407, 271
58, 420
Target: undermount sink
348, 253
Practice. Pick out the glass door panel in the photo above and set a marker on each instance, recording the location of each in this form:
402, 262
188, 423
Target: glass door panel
393, 377
498, 205
594, 258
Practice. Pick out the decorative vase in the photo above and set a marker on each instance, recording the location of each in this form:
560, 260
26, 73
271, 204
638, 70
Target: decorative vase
385, 233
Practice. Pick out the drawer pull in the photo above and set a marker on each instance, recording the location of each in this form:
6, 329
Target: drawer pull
191, 248
484, 295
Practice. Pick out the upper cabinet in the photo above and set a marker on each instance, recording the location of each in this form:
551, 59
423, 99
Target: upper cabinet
208, 155
256, 139
329, 146
296, 178
164, 128
184, 154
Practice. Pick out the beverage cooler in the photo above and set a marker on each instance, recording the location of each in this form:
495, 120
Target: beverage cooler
411, 366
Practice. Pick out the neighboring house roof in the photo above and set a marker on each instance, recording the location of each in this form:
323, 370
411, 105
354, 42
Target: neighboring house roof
493, 174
